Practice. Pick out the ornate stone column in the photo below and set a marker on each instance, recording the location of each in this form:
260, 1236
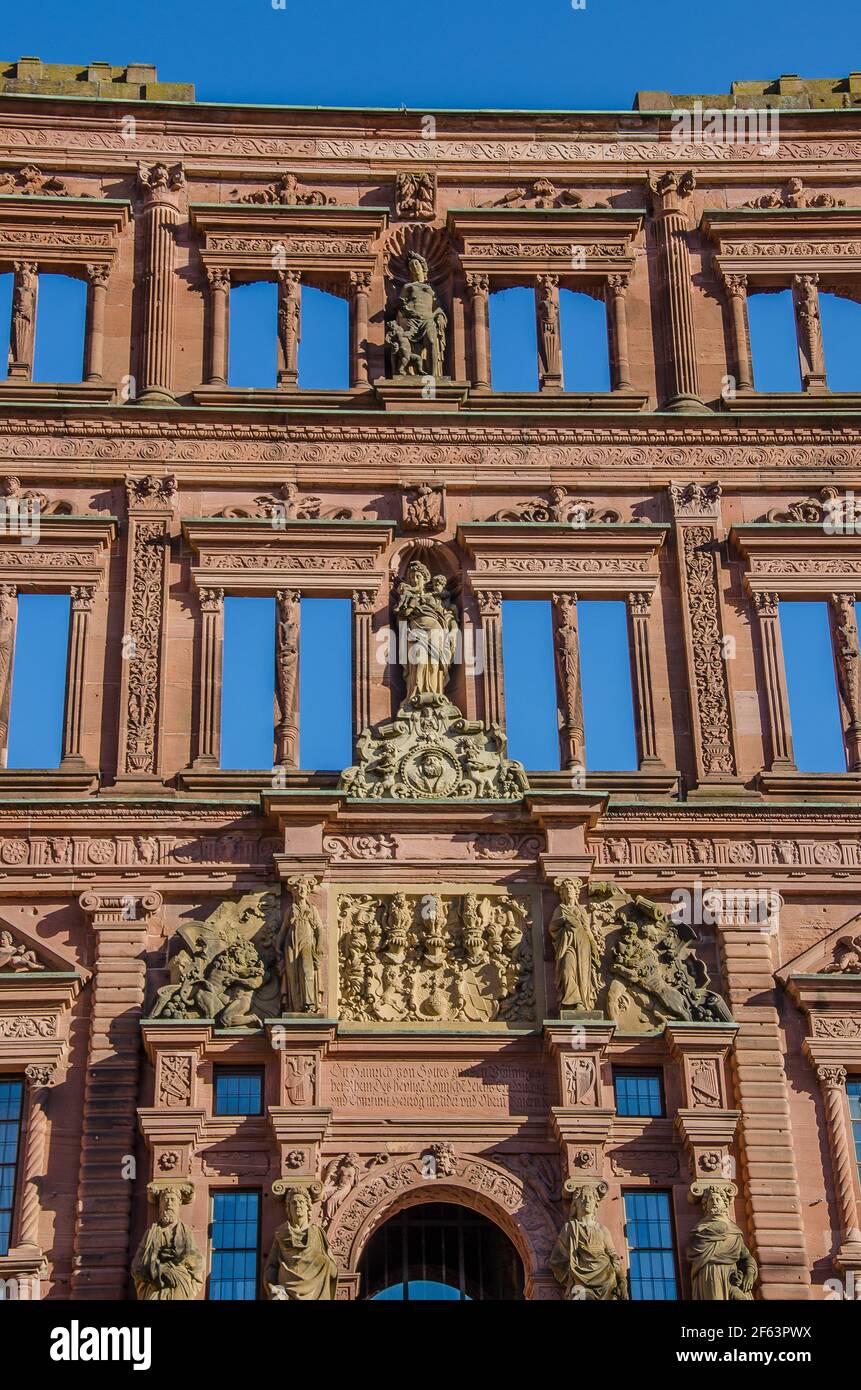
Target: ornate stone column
150, 511
808, 322
119, 919
670, 194
8, 616
696, 510
219, 304
287, 618
616, 300
22, 340
490, 607
766, 606
160, 188
639, 608
847, 653
568, 685
82, 606
39, 1079
549, 335
736, 288
94, 347
770, 1176
363, 617
289, 326
832, 1082
360, 289
478, 285
211, 647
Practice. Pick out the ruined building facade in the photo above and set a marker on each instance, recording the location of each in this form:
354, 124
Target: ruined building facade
434, 982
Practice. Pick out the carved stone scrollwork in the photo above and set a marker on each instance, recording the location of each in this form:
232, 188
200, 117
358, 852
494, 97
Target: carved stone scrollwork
288, 190
794, 195
428, 956
559, 507
415, 195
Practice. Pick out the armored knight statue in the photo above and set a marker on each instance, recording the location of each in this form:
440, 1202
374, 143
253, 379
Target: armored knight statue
168, 1266
416, 335
300, 1265
722, 1267
584, 1260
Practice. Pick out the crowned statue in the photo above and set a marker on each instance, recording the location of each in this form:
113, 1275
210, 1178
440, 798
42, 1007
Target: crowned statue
432, 629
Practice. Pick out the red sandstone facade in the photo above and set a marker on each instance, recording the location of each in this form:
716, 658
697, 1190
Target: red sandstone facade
162, 466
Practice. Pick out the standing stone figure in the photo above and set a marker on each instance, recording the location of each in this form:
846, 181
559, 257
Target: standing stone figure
168, 1266
578, 957
300, 1264
722, 1267
26, 288
584, 1260
301, 934
418, 339
431, 623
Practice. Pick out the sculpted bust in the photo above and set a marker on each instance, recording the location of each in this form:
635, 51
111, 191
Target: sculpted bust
168, 1266
300, 1264
584, 1259
722, 1267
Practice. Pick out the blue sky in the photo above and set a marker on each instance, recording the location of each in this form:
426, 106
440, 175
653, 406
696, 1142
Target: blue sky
543, 55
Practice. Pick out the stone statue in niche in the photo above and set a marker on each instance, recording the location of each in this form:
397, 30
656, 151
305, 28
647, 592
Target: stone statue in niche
578, 959
225, 968
722, 1267
301, 941
584, 1260
416, 336
430, 616
433, 956
300, 1265
429, 750
624, 958
168, 1266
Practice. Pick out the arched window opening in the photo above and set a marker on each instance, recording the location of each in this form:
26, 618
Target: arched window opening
513, 340
61, 321
441, 1252
841, 331
585, 352
324, 347
773, 342
253, 339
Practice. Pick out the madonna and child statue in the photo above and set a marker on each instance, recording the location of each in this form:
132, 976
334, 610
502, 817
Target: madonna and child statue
429, 749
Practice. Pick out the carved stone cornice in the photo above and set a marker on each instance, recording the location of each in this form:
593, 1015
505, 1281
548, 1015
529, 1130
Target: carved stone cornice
792, 558
317, 555
769, 244
506, 241
243, 236
601, 557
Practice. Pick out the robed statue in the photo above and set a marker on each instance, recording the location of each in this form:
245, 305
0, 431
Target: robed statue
722, 1267
168, 1266
300, 1264
578, 957
584, 1260
430, 617
301, 935
416, 335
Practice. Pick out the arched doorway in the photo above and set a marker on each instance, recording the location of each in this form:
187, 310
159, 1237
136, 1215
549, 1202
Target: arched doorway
440, 1251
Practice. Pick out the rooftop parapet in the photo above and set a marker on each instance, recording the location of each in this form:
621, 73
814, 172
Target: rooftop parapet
789, 92
134, 82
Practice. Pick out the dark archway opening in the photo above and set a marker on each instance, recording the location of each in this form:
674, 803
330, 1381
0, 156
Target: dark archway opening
437, 1251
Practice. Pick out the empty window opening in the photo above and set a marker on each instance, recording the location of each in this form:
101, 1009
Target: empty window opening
513, 340
608, 702
324, 347
325, 684
253, 336
841, 330
39, 681
773, 342
61, 318
585, 354
814, 707
248, 683
531, 712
